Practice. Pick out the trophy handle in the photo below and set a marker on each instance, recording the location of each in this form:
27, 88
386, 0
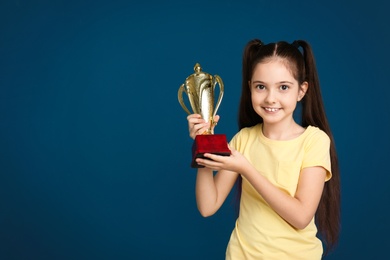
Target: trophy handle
217, 79
180, 97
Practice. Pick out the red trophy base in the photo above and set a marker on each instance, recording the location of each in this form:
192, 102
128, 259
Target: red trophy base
215, 144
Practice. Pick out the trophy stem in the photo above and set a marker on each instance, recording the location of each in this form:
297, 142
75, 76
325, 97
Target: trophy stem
212, 124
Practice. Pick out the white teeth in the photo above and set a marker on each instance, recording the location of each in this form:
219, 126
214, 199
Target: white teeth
271, 109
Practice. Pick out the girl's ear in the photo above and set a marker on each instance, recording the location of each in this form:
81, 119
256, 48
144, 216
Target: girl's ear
302, 90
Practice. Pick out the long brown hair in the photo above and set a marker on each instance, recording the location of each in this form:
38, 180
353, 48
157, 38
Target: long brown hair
303, 68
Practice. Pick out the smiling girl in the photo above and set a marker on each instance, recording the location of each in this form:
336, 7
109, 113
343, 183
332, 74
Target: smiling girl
287, 172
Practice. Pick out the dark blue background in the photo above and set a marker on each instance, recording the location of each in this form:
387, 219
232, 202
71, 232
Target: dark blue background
94, 148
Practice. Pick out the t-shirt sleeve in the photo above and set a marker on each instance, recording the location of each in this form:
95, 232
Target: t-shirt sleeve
317, 153
235, 141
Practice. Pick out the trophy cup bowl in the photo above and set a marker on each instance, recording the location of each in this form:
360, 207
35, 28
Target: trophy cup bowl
200, 89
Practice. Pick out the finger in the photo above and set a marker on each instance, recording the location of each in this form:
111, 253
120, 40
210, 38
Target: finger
193, 116
214, 157
195, 123
209, 164
216, 119
215, 122
194, 119
198, 129
201, 128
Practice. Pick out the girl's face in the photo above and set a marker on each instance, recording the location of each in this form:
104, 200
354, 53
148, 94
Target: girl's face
275, 92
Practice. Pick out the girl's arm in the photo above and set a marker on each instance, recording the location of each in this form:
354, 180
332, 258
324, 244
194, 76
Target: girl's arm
299, 210
211, 191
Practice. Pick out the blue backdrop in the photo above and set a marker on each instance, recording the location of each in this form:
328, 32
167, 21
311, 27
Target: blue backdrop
94, 148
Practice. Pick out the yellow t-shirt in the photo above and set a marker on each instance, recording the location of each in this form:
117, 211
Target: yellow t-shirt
260, 233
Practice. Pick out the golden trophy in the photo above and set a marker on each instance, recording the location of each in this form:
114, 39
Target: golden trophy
200, 89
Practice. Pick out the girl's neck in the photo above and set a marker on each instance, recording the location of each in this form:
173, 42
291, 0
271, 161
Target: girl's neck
282, 131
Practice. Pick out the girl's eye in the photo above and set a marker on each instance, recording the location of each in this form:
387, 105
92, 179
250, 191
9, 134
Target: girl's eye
284, 87
260, 87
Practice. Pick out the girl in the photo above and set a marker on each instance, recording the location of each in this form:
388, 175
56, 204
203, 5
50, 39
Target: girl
287, 172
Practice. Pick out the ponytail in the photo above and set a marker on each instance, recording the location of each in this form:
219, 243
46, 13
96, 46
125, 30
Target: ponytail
313, 113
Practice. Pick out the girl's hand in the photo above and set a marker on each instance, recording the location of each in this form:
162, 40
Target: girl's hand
236, 162
197, 125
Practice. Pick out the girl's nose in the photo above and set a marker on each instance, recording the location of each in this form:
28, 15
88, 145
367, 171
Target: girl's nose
270, 98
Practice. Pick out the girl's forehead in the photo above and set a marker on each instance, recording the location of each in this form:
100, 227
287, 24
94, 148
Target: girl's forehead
274, 60
273, 65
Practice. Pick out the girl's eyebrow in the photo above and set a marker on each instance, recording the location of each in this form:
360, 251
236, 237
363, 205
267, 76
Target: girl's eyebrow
281, 82
258, 81
289, 82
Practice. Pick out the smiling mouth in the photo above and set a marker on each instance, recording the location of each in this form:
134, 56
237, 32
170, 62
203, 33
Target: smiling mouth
271, 109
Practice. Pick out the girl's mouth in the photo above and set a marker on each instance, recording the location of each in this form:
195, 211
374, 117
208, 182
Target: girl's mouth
271, 109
